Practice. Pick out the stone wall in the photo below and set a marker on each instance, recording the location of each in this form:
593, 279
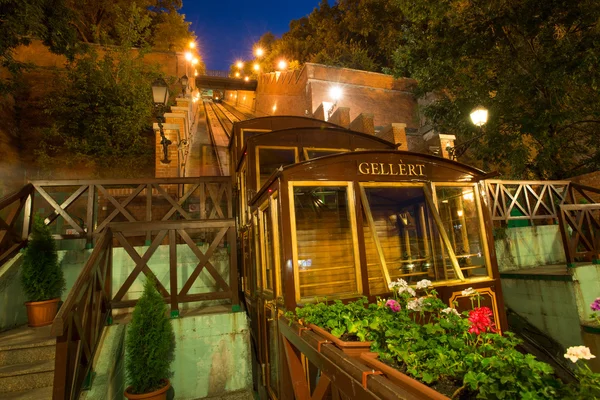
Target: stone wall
529, 247
24, 121
212, 358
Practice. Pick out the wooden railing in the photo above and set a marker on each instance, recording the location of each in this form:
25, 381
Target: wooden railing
534, 201
79, 323
171, 233
84, 209
15, 221
341, 376
580, 231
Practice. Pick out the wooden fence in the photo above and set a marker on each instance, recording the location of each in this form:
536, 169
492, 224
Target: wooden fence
580, 231
534, 201
172, 212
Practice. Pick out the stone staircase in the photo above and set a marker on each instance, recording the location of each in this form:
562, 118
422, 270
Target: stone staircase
27, 364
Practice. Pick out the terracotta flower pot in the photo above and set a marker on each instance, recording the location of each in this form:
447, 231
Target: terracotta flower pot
160, 394
413, 389
353, 349
41, 313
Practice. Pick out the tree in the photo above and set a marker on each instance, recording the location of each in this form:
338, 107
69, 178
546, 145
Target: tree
42, 275
22, 20
102, 112
534, 65
356, 34
96, 21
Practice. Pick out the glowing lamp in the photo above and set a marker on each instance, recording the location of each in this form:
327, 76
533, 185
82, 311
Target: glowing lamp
479, 116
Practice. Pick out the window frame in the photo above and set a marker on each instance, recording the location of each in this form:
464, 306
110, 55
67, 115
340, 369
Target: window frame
483, 235
349, 185
257, 154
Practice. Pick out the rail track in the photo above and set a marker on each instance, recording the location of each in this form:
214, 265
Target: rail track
219, 137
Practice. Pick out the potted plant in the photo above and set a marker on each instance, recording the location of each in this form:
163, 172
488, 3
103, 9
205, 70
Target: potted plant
150, 347
42, 277
345, 325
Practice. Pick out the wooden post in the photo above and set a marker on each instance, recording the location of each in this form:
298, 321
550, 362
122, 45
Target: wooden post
233, 269
562, 223
173, 273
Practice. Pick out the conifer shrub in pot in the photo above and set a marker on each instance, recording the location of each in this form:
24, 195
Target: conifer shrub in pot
150, 347
42, 277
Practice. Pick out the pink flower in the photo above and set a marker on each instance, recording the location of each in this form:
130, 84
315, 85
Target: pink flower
480, 319
596, 305
393, 305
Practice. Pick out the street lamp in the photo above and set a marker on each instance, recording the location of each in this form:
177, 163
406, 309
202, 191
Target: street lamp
479, 117
256, 67
282, 65
192, 45
240, 64
259, 52
184, 82
160, 95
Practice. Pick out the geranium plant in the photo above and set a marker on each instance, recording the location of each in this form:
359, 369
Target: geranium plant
461, 355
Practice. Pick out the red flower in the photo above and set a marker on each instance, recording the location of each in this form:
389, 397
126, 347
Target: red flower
480, 319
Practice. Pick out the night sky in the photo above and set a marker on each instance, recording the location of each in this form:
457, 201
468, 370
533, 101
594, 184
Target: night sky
227, 29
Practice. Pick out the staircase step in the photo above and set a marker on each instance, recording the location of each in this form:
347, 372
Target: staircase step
26, 345
25, 337
26, 376
42, 393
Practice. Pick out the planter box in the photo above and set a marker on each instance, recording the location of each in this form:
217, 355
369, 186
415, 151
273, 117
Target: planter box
352, 349
413, 389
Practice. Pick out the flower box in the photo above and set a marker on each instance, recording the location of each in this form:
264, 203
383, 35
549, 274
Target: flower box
352, 349
413, 389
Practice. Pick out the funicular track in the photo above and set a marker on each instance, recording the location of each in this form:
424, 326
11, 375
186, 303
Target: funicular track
219, 133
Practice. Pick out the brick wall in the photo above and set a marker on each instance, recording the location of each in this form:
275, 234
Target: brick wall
302, 92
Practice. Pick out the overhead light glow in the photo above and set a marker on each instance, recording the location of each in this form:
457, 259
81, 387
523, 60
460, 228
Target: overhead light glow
192, 45
246, 79
256, 67
259, 52
335, 93
282, 65
188, 56
237, 74
240, 64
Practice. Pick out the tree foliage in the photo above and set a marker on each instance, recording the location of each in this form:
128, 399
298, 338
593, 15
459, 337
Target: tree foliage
533, 64
98, 21
359, 34
42, 275
150, 343
22, 20
102, 112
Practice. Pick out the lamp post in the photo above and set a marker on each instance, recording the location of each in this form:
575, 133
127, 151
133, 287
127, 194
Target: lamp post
479, 117
188, 57
160, 95
184, 82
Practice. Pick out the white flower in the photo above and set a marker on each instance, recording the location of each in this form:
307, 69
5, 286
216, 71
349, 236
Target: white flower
415, 305
400, 283
468, 292
576, 353
423, 284
408, 289
450, 310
